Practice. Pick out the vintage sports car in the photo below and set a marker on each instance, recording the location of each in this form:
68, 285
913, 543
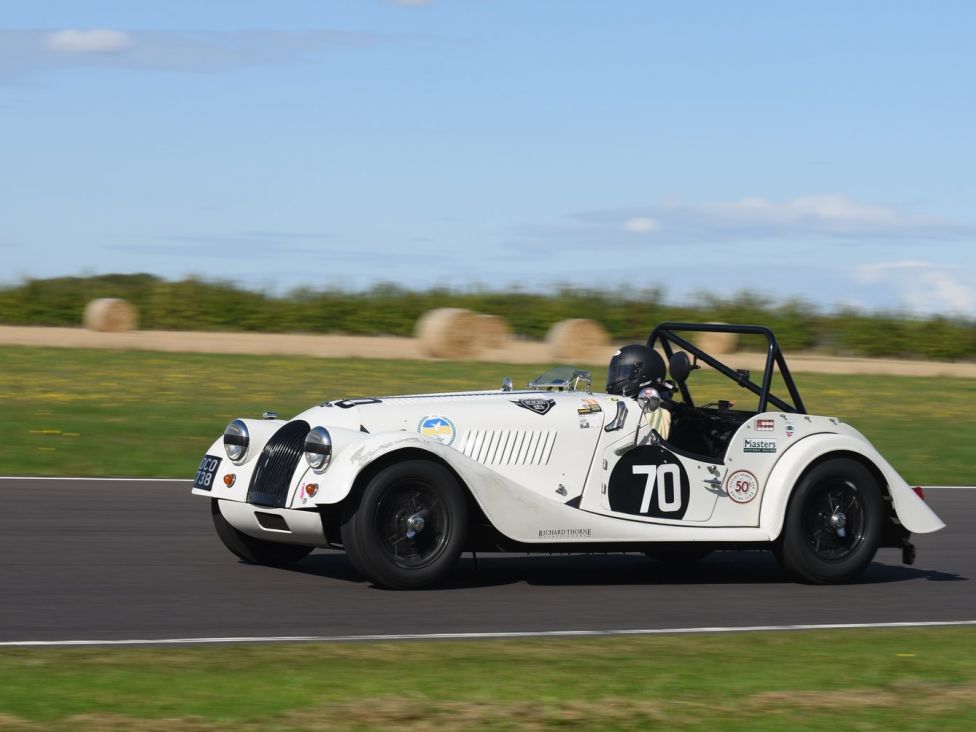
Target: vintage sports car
405, 484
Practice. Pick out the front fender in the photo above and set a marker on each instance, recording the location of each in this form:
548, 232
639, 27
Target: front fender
354, 451
911, 510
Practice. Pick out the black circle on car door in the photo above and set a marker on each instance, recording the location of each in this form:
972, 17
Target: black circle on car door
649, 481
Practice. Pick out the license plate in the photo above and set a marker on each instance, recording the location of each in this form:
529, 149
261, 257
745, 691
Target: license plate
206, 472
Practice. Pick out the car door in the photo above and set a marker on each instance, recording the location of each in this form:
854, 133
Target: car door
653, 483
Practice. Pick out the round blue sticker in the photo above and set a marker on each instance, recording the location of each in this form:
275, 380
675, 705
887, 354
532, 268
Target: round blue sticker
438, 428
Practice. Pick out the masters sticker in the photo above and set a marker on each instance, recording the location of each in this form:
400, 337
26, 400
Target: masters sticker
742, 486
438, 428
754, 445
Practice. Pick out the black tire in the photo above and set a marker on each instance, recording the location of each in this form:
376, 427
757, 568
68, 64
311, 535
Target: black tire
834, 523
678, 557
376, 529
255, 551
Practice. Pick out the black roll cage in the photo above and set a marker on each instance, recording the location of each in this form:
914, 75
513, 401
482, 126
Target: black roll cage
666, 335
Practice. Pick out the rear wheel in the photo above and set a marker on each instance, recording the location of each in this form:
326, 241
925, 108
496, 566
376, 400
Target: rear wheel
834, 523
255, 551
409, 526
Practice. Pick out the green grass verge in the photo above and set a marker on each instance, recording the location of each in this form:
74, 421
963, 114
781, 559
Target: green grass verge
909, 679
128, 413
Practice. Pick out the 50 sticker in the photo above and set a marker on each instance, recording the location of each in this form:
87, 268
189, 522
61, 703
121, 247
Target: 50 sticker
742, 486
649, 481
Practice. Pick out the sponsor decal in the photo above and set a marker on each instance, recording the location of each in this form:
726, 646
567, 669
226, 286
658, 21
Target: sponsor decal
790, 429
649, 481
756, 445
584, 423
765, 425
742, 486
438, 428
539, 406
302, 495
589, 406
563, 533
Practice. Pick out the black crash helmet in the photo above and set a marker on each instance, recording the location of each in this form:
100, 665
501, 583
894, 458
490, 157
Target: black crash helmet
633, 367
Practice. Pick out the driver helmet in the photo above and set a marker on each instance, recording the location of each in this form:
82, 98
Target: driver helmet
632, 368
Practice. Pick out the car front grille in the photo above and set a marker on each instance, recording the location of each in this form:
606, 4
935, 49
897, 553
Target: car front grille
276, 465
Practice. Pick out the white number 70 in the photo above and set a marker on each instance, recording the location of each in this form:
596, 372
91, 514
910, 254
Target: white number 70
656, 474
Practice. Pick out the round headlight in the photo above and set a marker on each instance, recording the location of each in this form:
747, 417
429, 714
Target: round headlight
236, 440
318, 448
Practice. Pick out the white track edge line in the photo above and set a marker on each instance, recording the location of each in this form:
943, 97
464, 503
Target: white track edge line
481, 636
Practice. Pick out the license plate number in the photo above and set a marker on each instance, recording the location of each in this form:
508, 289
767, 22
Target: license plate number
206, 472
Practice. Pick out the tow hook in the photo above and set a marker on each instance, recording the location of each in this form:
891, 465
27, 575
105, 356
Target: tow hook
907, 552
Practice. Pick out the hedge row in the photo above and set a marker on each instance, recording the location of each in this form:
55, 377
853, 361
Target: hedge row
390, 310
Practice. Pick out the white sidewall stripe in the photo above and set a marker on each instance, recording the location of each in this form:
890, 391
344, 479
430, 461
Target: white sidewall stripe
477, 636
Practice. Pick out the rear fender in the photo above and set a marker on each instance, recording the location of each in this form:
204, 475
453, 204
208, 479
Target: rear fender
911, 511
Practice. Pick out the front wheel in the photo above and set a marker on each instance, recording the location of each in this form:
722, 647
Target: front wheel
408, 527
834, 523
255, 551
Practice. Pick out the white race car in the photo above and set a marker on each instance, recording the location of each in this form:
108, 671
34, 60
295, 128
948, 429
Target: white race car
405, 484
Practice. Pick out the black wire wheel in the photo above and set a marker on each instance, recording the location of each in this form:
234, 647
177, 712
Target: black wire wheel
409, 526
252, 550
834, 523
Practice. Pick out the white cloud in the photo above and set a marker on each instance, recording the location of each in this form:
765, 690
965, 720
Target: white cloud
34, 51
811, 215
98, 40
641, 225
823, 208
809, 219
879, 271
923, 287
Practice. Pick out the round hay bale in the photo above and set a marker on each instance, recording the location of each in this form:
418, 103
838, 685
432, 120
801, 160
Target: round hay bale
447, 333
572, 338
717, 343
492, 331
110, 315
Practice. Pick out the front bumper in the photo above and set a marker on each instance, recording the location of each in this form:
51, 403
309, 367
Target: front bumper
282, 525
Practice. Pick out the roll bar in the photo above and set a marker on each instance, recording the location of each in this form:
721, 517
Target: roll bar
667, 335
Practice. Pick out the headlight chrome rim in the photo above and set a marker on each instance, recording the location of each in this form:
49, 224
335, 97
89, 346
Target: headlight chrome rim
237, 440
318, 449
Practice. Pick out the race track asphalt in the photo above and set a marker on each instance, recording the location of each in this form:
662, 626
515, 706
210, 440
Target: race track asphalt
107, 560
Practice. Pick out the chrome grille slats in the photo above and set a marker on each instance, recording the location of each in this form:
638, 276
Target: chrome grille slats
276, 465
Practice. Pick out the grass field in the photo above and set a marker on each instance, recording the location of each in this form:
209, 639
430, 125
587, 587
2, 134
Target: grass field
122, 413
911, 679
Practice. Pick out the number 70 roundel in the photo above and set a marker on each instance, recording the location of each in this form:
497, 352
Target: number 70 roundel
649, 481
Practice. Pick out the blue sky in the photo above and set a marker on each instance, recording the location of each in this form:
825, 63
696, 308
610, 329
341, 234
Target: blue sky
821, 150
